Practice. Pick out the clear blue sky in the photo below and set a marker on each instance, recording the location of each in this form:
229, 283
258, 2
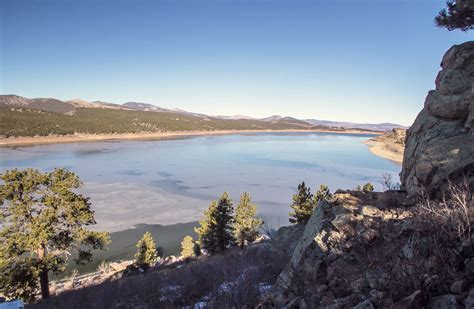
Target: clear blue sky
365, 61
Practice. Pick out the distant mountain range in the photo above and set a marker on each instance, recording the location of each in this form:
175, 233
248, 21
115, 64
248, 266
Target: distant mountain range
70, 107
384, 126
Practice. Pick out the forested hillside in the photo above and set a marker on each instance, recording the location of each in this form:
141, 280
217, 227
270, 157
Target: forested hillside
30, 122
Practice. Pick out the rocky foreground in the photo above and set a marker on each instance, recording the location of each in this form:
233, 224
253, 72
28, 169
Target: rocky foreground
358, 250
376, 250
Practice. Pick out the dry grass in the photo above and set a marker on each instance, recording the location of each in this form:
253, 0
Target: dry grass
430, 258
229, 280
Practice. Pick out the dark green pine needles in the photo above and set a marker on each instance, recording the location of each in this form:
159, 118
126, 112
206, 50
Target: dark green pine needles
43, 220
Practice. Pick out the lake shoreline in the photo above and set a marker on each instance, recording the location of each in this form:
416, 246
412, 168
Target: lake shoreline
43, 140
386, 148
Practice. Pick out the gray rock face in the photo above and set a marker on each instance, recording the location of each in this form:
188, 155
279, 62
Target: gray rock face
328, 268
445, 302
287, 237
440, 143
469, 301
414, 301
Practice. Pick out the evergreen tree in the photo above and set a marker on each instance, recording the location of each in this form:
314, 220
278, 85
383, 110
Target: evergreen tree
146, 254
197, 249
323, 193
206, 238
302, 205
187, 247
42, 221
216, 228
368, 187
246, 225
458, 15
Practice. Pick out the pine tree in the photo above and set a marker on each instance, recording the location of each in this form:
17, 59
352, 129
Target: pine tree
302, 205
187, 247
43, 219
146, 254
323, 193
206, 237
247, 225
458, 15
216, 228
197, 249
368, 187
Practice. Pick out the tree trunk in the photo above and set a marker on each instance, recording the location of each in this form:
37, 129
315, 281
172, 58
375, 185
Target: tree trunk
44, 279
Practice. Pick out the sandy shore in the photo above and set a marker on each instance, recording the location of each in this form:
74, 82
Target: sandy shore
386, 147
24, 141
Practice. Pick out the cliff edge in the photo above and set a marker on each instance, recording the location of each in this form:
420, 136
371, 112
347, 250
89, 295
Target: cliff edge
440, 143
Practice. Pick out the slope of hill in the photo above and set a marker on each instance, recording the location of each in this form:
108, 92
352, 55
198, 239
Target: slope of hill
16, 122
45, 104
102, 104
47, 116
235, 117
182, 111
286, 120
380, 265
82, 103
352, 125
54, 105
145, 107
293, 121
272, 118
383, 127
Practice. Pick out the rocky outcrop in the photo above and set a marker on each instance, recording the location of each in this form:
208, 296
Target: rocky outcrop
286, 238
339, 260
399, 135
358, 252
440, 143
413, 301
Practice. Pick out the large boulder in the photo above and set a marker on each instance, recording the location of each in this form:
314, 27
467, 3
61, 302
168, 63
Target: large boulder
440, 143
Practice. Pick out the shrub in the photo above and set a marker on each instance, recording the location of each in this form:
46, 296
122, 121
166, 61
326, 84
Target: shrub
452, 216
104, 267
388, 183
202, 280
433, 256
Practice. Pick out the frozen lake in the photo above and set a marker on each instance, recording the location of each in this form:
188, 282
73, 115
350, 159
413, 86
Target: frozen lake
172, 181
